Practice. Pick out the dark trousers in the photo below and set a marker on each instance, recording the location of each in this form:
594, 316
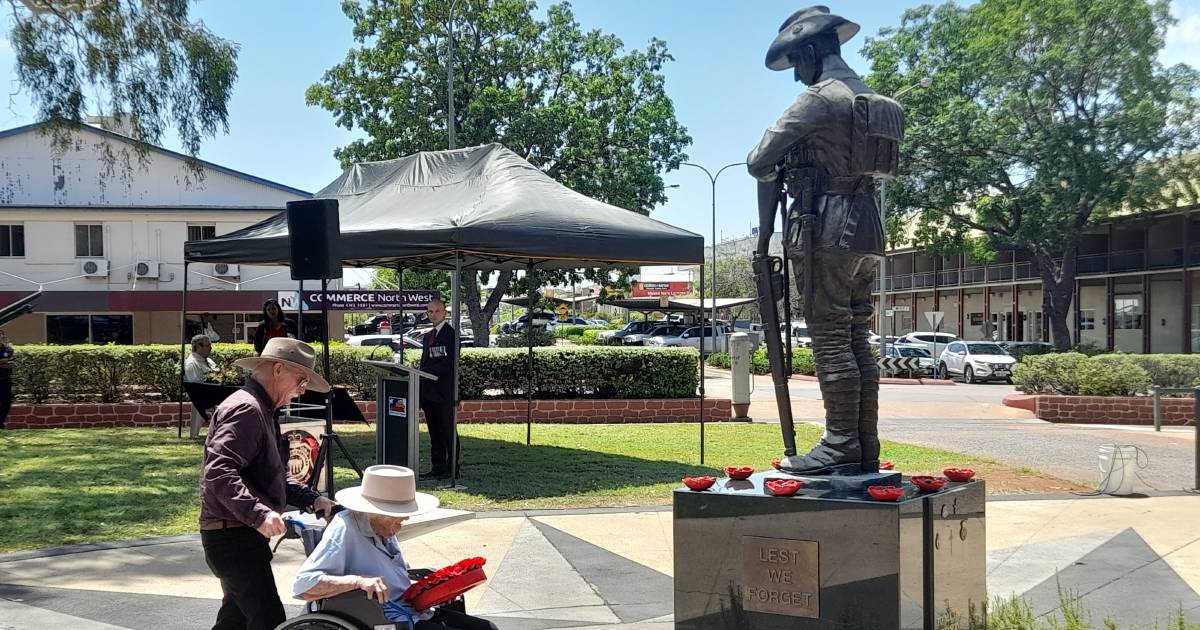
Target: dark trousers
241, 559
453, 620
439, 417
5, 399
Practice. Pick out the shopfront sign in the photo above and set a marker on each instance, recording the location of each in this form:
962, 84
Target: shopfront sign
660, 289
415, 300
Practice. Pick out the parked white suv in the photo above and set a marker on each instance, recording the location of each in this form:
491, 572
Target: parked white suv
976, 361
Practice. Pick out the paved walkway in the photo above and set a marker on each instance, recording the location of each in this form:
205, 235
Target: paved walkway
1129, 558
973, 419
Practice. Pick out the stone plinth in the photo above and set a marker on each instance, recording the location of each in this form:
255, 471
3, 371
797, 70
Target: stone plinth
826, 558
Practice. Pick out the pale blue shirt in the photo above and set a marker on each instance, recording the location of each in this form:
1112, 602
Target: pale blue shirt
350, 547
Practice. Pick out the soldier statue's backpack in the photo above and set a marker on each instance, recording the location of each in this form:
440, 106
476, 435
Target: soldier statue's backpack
877, 128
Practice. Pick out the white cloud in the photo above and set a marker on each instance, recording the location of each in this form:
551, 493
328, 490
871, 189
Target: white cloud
1183, 38
1185, 32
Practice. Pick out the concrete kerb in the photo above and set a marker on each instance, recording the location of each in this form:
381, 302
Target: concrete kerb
883, 381
890, 381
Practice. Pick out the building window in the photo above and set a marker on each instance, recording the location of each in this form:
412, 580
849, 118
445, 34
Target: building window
1087, 319
201, 232
97, 329
89, 241
1127, 310
12, 240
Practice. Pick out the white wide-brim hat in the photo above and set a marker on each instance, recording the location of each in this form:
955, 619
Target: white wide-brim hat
389, 491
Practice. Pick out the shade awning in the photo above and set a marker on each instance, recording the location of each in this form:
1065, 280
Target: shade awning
485, 204
677, 305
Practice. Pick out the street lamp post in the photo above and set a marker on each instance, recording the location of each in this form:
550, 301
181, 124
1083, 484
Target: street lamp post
450, 80
883, 261
713, 180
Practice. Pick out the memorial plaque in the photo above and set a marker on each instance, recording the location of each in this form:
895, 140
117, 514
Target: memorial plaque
781, 576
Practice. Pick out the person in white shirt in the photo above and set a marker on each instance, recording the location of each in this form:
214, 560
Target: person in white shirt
198, 365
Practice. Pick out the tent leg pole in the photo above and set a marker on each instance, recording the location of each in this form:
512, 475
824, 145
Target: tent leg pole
300, 313
183, 347
529, 341
330, 486
400, 288
702, 361
455, 297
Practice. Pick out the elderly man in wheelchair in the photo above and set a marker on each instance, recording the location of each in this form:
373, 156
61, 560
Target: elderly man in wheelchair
353, 578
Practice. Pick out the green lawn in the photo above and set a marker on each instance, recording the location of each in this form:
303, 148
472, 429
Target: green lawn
87, 485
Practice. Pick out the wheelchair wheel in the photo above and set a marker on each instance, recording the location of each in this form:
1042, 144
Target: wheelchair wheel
317, 621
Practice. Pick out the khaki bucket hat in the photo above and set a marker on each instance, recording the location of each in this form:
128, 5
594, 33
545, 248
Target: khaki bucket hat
291, 352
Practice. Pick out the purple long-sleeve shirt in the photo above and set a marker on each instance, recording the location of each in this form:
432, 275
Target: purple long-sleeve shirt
245, 474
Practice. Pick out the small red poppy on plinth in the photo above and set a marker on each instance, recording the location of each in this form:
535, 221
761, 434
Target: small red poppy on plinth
927, 483
699, 483
886, 465
958, 474
886, 493
775, 463
738, 473
784, 487
445, 584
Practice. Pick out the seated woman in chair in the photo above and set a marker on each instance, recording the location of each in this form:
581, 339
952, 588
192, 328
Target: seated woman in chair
359, 550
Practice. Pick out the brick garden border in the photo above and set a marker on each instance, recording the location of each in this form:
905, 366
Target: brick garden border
1103, 409
97, 415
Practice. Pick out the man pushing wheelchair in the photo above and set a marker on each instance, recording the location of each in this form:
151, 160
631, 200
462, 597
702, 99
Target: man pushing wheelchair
245, 486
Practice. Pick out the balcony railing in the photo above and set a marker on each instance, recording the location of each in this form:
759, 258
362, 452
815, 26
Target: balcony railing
1088, 264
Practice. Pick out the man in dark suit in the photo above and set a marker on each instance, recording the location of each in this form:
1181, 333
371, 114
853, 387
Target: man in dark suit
438, 357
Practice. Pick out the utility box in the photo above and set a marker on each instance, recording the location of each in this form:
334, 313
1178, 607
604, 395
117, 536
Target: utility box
740, 347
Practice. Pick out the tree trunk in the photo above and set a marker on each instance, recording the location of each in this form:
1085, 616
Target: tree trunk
1058, 291
481, 314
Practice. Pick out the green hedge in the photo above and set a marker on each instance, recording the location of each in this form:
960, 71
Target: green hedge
802, 361
582, 372
541, 337
575, 330
151, 372
1076, 374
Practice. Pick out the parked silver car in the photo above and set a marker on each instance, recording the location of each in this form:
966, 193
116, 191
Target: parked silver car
690, 338
665, 330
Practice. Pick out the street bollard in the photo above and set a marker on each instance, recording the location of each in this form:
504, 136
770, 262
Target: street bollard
739, 360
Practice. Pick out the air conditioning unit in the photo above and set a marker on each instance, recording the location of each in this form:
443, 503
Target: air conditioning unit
146, 269
226, 270
94, 268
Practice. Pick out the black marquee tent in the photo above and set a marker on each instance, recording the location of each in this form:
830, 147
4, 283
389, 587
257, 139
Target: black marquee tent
478, 208
485, 205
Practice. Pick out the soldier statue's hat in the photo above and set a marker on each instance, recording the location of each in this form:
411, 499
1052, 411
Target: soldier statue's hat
801, 27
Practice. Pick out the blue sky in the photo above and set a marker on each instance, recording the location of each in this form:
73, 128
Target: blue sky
722, 91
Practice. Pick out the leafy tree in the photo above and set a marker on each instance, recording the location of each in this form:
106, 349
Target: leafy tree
1043, 118
143, 62
735, 279
428, 279
575, 104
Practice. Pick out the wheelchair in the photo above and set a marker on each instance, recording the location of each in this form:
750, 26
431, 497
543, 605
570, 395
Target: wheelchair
352, 610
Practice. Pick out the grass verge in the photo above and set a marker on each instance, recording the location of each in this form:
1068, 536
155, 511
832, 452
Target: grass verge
67, 486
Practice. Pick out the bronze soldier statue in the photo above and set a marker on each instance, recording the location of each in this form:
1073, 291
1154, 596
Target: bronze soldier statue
817, 165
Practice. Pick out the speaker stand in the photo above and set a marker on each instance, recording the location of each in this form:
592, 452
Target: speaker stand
324, 462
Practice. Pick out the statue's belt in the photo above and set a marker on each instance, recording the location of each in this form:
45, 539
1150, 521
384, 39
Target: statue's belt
837, 185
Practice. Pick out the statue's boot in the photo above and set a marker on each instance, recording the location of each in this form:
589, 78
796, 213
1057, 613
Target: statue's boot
868, 406
839, 451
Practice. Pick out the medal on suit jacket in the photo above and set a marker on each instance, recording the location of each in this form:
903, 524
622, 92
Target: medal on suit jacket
435, 351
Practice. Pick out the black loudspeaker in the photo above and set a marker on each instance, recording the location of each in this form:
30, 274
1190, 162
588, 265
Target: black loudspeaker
314, 235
